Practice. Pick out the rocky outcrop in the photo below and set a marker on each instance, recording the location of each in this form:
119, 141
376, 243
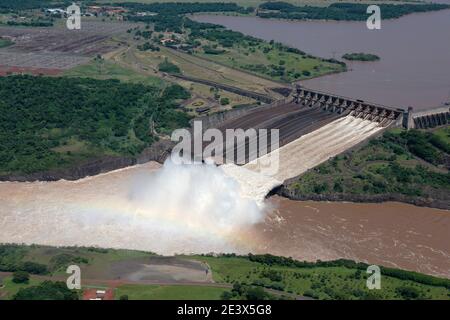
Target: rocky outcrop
418, 201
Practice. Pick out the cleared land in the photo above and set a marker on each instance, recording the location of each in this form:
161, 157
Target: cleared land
146, 64
57, 47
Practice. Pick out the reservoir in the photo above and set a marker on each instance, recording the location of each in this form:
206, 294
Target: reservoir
414, 51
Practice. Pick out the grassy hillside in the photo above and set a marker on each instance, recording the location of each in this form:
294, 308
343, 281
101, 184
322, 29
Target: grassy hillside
49, 123
413, 164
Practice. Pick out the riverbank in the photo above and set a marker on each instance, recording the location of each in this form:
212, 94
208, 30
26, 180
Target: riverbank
127, 209
157, 152
284, 191
414, 79
405, 166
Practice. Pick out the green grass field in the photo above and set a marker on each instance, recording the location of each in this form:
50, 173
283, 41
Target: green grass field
104, 69
11, 288
341, 280
173, 292
319, 282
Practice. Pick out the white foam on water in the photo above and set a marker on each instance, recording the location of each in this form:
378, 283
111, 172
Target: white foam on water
318, 146
173, 209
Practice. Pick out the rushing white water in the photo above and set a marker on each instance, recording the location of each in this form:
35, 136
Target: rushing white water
172, 209
169, 209
318, 146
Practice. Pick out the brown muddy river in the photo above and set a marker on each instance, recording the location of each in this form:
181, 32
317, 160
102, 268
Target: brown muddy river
414, 69
390, 234
199, 210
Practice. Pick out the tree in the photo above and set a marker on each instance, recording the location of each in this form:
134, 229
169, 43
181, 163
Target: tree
224, 101
409, 293
255, 293
226, 295
21, 277
47, 290
123, 297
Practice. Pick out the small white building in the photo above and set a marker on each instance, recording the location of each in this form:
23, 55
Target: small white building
100, 294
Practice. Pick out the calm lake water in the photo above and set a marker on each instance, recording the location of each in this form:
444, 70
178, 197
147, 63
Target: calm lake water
414, 69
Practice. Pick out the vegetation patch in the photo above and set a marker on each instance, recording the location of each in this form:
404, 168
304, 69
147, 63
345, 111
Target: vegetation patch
270, 60
169, 67
409, 163
340, 11
95, 118
339, 279
360, 57
5, 42
46, 290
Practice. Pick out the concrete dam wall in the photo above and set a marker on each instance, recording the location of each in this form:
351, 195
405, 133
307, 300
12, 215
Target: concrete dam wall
432, 118
301, 154
313, 128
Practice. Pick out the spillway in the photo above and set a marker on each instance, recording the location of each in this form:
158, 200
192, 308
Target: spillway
315, 147
173, 209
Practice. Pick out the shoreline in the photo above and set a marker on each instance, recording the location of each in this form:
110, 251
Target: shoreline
157, 152
110, 165
284, 192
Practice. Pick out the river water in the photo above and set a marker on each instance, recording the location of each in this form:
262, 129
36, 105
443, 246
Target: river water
414, 69
130, 208
147, 207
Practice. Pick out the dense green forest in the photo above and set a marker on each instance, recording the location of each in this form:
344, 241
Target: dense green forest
171, 8
49, 123
410, 163
341, 11
14, 5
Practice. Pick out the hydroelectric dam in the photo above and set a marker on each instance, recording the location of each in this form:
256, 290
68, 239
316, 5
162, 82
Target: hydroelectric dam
313, 127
